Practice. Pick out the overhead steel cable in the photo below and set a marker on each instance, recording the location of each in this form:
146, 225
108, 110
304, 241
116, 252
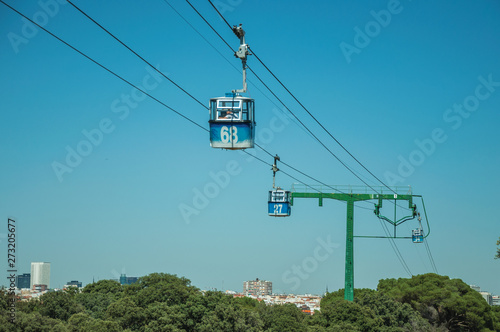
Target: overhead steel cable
123, 79
311, 133
429, 253
206, 40
150, 65
210, 24
321, 125
229, 62
302, 105
220, 14
291, 176
425, 240
213, 47
104, 67
396, 249
118, 76
154, 68
303, 125
131, 50
288, 109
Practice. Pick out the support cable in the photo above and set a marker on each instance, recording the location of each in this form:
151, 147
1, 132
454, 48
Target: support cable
139, 89
178, 86
310, 132
135, 53
395, 248
116, 75
229, 62
429, 253
104, 67
391, 240
308, 112
213, 47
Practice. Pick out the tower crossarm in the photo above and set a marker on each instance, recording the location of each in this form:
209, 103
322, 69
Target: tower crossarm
350, 199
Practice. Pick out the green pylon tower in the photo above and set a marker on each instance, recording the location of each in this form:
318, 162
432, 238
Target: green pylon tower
350, 198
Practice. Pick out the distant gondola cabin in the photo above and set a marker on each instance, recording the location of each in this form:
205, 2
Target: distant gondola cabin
232, 122
417, 235
279, 203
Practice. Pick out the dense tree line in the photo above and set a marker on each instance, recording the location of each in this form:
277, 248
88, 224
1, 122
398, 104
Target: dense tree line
164, 302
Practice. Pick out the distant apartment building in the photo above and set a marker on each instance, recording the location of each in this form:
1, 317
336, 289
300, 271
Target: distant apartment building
476, 288
257, 287
491, 300
23, 281
487, 296
40, 288
40, 275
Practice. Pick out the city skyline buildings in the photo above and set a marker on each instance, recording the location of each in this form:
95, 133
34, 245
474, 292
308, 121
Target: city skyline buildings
23, 280
257, 287
397, 87
253, 288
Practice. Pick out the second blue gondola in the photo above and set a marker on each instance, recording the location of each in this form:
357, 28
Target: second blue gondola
279, 203
417, 235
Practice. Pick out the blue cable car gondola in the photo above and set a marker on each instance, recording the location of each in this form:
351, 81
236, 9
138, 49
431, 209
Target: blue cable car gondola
232, 124
279, 203
232, 118
417, 235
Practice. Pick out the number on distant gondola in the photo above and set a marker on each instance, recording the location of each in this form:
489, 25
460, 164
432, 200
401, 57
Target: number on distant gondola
229, 134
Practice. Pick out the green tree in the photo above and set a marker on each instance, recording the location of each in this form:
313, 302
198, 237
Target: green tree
497, 256
126, 313
286, 317
160, 287
96, 303
395, 315
370, 311
59, 305
446, 302
4, 300
342, 315
96, 297
161, 317
82, 322
104, 287
30, 306
210, 311
36, 322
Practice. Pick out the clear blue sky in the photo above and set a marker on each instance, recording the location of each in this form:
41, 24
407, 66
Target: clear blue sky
411, 89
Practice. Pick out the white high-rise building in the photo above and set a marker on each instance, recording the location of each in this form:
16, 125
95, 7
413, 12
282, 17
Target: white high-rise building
40, 274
